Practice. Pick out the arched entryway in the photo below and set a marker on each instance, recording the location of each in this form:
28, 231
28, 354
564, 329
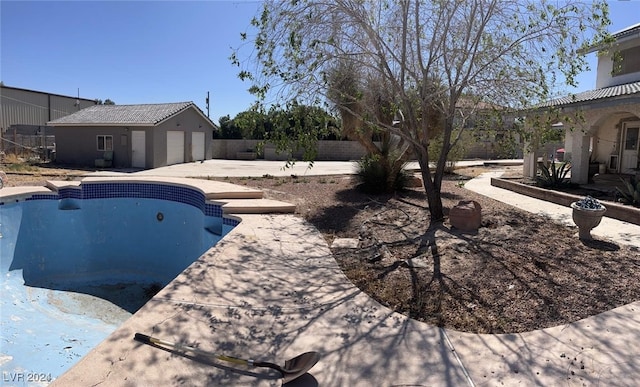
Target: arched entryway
602, 135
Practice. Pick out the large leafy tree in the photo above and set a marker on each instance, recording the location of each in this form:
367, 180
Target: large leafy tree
427, 55
304, 124
105, 102
228, 129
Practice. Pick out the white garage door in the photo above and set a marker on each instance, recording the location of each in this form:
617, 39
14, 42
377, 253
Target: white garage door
197, 146
175, 147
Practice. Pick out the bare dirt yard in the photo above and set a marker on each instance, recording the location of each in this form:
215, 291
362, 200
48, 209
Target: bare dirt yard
519, 272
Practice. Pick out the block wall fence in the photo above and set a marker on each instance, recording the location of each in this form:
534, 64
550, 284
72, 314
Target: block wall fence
327, 150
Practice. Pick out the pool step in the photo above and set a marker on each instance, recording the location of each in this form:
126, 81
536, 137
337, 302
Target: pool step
215, 230
68, 204
257, 206
235, 199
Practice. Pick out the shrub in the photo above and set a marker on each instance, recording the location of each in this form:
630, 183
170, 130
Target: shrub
373, 173
631, 191
553, 176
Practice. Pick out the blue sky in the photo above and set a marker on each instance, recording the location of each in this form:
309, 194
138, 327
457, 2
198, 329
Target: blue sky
128, 51
149, 51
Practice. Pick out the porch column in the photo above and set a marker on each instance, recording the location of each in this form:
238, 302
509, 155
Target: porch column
530, 161
580, 158
530, 153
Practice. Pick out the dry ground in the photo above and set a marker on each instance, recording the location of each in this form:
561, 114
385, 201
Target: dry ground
519, 272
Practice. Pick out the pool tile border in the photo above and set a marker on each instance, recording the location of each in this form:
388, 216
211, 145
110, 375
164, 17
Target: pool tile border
152, 190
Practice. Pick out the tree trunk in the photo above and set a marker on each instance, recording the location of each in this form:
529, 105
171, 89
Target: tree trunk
432, 185
392, 175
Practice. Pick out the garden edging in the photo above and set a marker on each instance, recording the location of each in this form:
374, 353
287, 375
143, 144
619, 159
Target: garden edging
614, 210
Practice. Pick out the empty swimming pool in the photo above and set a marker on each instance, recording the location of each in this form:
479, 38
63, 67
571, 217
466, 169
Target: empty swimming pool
75, 264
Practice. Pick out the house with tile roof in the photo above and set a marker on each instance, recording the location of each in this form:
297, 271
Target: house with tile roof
134, 136
603, 125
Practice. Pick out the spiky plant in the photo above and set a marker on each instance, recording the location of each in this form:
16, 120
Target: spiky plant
553, 176
631, 191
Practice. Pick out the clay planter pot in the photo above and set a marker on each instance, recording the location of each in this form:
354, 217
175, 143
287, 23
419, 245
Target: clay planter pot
586, 219
466, 215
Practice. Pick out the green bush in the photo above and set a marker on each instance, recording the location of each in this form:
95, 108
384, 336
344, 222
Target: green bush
630, 193
373, 174
553, 176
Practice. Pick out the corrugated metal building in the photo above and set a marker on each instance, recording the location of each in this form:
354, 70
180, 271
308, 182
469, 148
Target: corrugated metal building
24, 115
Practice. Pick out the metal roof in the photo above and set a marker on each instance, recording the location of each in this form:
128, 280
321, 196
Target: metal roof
45, 93
598, 94
147, 114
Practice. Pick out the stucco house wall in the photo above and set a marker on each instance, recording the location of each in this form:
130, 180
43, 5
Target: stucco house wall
78, 145
606, 61
188, 122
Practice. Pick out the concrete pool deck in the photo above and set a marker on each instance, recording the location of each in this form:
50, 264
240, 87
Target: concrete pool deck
271, 290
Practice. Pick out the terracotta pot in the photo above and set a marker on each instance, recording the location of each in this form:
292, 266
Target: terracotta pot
586, 219
466, 215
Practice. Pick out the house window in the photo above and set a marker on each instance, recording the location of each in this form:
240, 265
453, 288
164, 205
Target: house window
626, 61
631, 140
105, 143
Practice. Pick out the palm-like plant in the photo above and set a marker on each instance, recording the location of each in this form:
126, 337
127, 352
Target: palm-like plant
553, 176
631, 192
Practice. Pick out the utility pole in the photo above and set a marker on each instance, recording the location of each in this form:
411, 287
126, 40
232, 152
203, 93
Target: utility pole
207, 104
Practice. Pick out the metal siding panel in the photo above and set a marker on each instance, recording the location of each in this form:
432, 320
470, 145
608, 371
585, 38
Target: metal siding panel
24, 107
62, 106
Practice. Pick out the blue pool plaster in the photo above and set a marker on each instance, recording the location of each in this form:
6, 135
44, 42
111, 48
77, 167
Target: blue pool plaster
77, 263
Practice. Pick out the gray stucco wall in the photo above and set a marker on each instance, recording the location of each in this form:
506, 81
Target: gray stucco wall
338, 150
78, 145
188, 122
327, 150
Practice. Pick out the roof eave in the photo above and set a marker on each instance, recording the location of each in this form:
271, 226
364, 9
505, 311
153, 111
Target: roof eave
79, 124
631, 32
196, 108
172, 115
617, 100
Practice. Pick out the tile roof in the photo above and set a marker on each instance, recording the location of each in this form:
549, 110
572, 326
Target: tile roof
594, 95
626, 31
147, 114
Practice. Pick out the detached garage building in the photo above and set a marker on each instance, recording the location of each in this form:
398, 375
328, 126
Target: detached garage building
138, 136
